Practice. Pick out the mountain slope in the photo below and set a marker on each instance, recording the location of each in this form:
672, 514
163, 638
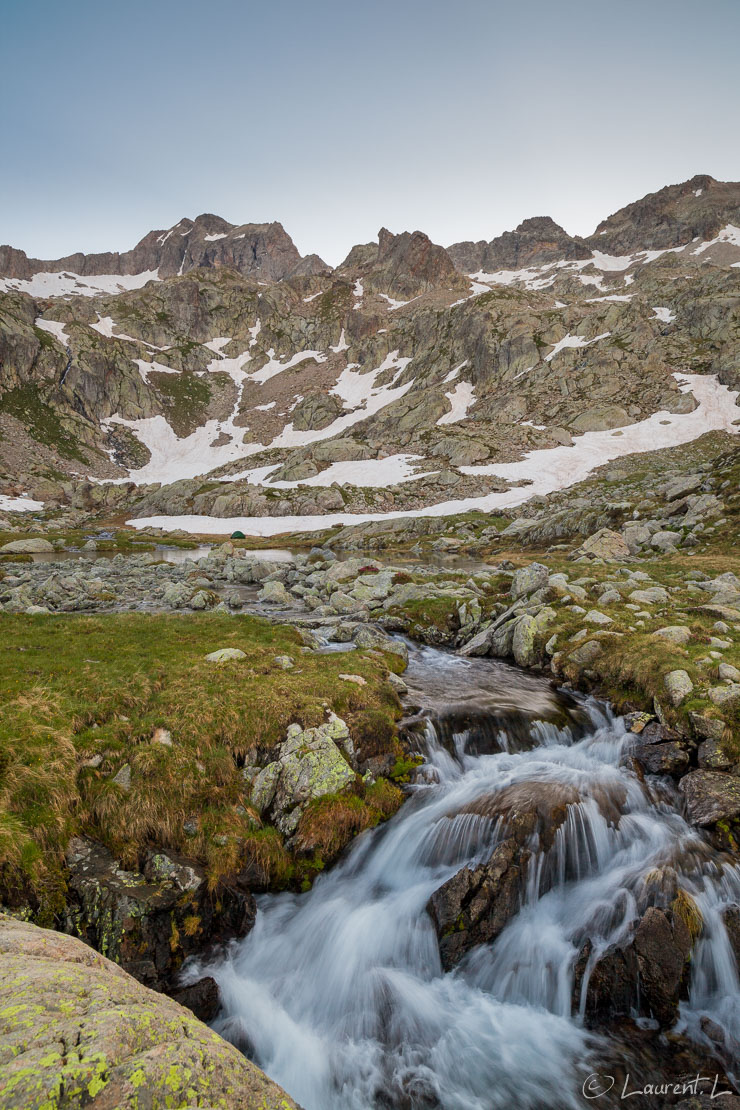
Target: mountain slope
392, 384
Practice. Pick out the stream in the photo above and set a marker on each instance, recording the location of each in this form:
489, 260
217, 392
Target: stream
340, 994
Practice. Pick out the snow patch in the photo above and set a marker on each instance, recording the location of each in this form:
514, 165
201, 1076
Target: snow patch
342, 345
664, 314
274, 366
454, 372
574, 341
549, 470
213, 238
729, 234
365, 473
19, 504
54, 328
146, 368
461, 399
307, 300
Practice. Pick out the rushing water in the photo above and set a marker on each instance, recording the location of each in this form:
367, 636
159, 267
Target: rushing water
339, 993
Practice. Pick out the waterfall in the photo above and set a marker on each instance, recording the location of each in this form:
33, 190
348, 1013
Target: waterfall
340, 993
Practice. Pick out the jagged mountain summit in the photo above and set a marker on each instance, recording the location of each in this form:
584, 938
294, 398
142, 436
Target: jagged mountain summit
213, 370
265, 251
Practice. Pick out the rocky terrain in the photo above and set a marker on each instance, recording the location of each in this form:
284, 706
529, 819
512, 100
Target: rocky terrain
410, 376
521, 450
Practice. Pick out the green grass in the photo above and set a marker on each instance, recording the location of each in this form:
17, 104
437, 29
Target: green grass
41, 420
187, 398
78, 688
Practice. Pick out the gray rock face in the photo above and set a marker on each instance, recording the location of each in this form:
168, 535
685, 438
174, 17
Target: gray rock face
710, 796
534, 242
671, 217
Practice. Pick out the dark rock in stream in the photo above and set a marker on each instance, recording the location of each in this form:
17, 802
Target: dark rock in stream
202, 997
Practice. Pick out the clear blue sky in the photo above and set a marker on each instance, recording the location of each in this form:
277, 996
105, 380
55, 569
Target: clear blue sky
459, 117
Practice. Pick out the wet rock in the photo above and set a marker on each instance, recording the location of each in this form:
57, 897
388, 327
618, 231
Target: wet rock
150, 922
474, 905
663, 759
710, 796
202, 997
133, 1047
650, 973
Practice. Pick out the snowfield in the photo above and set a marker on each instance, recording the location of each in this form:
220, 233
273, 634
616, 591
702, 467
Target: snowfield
19, 504
547, 470
64, 283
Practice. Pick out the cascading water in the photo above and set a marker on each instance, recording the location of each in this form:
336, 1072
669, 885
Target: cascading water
340, 994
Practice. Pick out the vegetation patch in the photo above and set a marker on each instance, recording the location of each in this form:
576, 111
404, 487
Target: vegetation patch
90, 700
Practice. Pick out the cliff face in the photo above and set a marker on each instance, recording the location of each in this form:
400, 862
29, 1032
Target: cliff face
260, 250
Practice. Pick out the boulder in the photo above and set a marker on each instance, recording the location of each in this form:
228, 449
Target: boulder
677, 686
133, 1048
474, 905
27, 547
710, 796
275, 593
224, 655
528, 579
604, 544
309, 764
674, 633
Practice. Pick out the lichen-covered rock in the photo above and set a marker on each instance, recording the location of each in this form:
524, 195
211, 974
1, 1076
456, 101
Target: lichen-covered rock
678, 686
150, 922
77, 1031
605, 544
528, 579
274, 593
309, 765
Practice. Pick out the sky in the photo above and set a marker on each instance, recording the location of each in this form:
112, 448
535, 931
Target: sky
338, 117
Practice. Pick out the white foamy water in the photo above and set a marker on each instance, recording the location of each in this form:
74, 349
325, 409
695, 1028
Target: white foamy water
340, 995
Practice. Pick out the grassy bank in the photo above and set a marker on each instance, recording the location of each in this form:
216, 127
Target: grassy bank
87, 704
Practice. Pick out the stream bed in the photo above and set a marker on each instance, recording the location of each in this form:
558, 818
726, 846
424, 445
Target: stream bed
342, 994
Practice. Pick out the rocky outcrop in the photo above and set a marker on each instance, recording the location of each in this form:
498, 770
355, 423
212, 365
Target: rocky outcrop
671, 217
402, 265
534, 242
78, 1031
149, 922
473, 906
649, 974
265, 251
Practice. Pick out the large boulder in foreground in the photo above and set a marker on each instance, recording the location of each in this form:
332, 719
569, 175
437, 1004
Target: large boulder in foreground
76, 1030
